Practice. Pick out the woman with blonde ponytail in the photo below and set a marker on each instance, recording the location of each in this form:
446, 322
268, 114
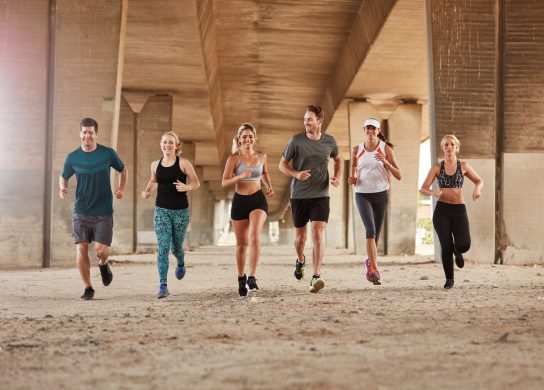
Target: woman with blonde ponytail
171, 217
245, 169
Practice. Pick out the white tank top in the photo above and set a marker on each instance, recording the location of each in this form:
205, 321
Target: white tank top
371, 174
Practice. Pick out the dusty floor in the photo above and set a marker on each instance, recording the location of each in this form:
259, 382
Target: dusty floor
487, 332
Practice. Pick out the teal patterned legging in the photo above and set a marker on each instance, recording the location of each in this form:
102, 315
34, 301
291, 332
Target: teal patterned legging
170, 227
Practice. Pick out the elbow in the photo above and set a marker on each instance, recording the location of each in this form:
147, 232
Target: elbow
224, 184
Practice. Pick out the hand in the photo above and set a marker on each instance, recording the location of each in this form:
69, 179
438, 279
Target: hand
269, 192
476, 194
352, 180
245, 174
146, 194
334, 181
437, 193
181, 187
303, 175
119, 193
63, 192
380, 157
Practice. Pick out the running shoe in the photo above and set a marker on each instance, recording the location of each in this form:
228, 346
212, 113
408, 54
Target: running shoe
105, 272
180, 272
316, 284
242, 285
375, 278
88, 294
299, 269
252, 284
459, 260
449, 284
368, 269
163, 291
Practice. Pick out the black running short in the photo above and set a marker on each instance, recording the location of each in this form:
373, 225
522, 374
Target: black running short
313, 209
243, 205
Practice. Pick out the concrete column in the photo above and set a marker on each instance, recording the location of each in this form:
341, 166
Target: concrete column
86, 65
335, 233
358, 112
188, 152
404, 132
24, 60
220, 219
287, 230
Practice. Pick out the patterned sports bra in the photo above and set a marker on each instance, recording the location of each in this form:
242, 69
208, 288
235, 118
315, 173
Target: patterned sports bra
453, 181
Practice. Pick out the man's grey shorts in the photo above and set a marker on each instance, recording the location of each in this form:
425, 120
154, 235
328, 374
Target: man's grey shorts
89, 228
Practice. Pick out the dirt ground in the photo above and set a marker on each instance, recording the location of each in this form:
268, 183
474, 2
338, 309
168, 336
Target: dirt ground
410, 333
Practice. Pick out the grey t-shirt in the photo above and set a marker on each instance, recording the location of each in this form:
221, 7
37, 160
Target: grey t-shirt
310, 154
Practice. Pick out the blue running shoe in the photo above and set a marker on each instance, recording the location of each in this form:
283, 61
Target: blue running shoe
163, 291
180, 272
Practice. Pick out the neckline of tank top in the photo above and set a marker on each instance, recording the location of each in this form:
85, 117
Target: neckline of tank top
371, 151
168, 166
457, 167
253, 165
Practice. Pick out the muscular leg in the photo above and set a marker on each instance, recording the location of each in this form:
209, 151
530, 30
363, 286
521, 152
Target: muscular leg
300, 242
442, 226
82, 261
102, 252
241, 232
318, 229
256, 222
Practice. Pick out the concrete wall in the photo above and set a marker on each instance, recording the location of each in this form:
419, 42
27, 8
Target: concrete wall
24, 53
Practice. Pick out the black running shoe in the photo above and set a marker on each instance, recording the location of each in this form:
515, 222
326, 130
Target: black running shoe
242, 285
299, 269
105, 272
88, 294
459, 260
252, 284
449, 283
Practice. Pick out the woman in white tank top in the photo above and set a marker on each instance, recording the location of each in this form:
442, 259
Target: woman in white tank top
372, 163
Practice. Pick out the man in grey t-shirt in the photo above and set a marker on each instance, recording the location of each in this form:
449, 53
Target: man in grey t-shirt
309, 153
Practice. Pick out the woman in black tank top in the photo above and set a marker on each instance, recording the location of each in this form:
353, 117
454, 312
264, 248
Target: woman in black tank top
171, 217
450, 219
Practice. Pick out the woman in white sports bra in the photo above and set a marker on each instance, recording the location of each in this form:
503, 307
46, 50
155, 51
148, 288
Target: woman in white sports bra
371, 163
246, 168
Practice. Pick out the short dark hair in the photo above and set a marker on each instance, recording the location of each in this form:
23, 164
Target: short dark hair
88, 122
317, 110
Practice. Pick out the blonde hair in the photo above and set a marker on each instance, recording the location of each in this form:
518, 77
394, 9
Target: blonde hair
179, 144
457, 142
236, 139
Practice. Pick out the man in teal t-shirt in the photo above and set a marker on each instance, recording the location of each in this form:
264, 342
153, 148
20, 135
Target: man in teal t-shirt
92, 218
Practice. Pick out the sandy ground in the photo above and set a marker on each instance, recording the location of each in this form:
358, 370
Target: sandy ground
410, 333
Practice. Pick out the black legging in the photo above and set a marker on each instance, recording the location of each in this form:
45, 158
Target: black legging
372, 208
450, 222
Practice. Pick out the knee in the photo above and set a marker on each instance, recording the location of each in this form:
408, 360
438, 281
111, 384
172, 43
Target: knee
300, 239
83, 248
102, 252
241, 247
255, 240
462, 246
317, 234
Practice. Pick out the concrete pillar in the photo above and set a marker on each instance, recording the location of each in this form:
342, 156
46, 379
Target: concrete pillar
24, 61
358, 112
87, 40
287, 230
336, 231
404, 131
220, 219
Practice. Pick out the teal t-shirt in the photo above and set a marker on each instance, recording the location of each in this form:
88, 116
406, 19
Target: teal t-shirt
92, 170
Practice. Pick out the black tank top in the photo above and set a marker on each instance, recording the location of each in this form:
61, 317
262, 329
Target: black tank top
167, 195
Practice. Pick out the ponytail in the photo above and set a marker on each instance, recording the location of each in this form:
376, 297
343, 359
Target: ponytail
235, 144
382, 137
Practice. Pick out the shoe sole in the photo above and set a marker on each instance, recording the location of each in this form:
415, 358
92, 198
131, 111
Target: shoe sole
162, 296
374, 280
247, 292
318, 285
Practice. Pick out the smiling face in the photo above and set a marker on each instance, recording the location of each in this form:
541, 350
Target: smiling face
247, 139
311, 122
371, 132
168, 145
88, 138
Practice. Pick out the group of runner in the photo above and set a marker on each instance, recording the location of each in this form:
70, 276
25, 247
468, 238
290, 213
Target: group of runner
305, 159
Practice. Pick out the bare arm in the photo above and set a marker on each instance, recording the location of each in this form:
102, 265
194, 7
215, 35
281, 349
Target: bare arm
63, 187
187, 168
152, 183
266, 178
288, 170
122, 183
426, 186
228, 174
338, 165
390, 163
477, 180
353, 176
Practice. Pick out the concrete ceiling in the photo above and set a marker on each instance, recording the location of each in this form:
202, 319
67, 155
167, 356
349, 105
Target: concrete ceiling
226, 62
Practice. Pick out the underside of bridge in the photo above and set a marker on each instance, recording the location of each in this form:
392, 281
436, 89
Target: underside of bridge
203, 67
